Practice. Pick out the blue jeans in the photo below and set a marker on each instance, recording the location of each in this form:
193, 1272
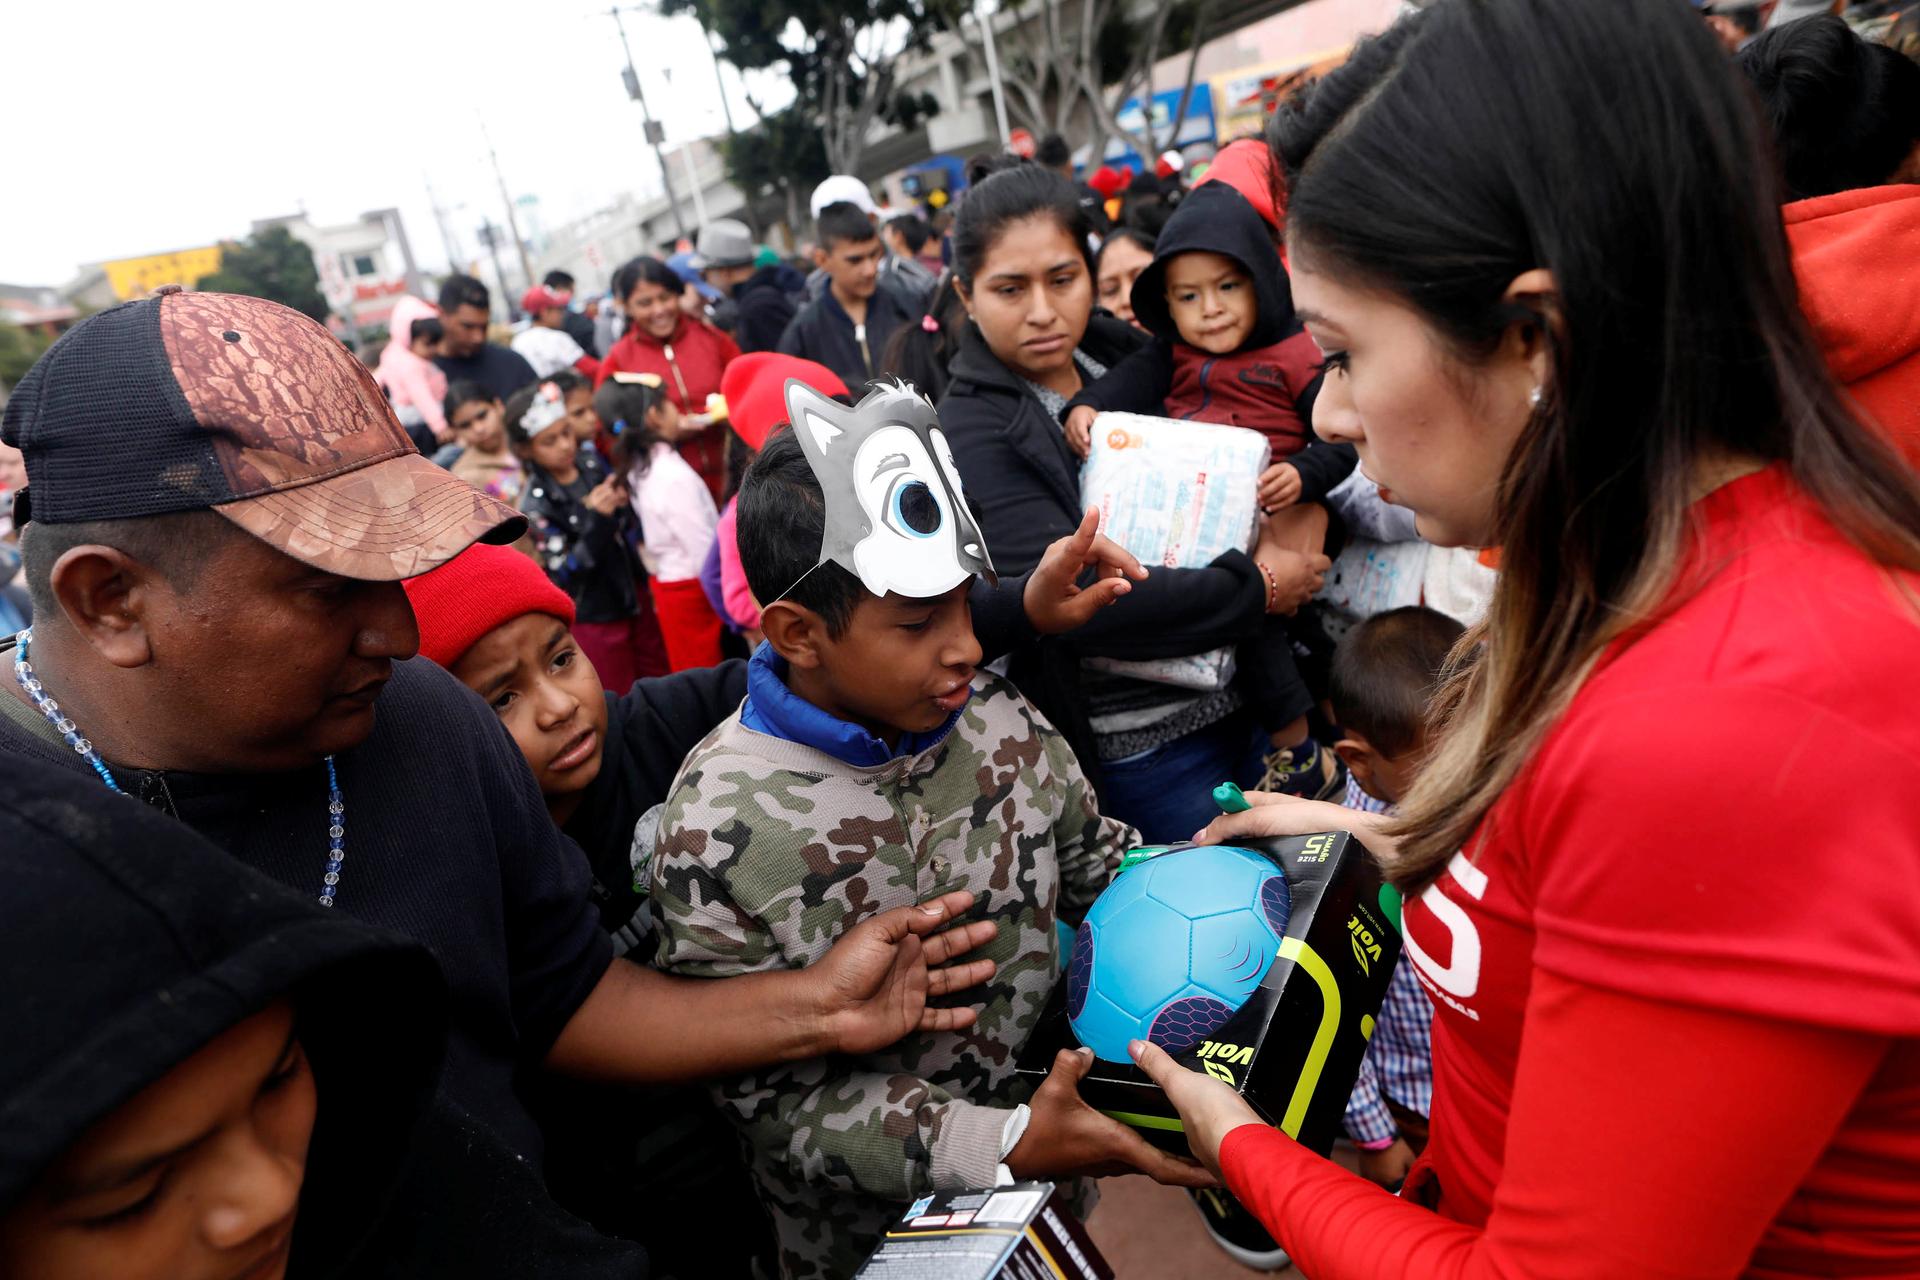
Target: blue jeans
1167, 792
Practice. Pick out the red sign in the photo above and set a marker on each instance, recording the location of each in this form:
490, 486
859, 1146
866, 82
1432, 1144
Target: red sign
1021, 143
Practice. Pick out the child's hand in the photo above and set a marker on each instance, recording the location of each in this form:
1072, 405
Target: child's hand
872, 987
1209, 1108
1297, 576
1066, 1136
1388, 1166
1079, 429
607, 497
1279, 486
1054, 599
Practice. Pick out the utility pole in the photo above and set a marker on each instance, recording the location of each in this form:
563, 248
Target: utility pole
513, 224
490, 237
440, 220
655, 134
718, 79
993, 72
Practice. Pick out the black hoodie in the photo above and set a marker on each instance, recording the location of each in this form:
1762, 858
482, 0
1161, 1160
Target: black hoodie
1268, 383
130, 943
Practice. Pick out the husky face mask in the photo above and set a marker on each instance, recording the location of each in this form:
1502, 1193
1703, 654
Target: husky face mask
895, 515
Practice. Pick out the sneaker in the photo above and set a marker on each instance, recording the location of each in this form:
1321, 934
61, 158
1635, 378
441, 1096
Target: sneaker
1238, 1233
1320, 776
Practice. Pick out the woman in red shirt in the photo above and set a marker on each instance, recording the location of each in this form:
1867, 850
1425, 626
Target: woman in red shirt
1663, 867
687, 354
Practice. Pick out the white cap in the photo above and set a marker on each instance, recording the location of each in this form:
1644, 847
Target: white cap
841, 188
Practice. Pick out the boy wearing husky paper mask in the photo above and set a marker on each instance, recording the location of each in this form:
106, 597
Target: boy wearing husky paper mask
870, 763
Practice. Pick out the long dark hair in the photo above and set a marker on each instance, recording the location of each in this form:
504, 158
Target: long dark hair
622, 405
1617, 149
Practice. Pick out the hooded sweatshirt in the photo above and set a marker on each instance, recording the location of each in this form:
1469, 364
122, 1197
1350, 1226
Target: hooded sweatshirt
1854, 256
134, 942
411, 381
1267, 383
689, 363
131, 943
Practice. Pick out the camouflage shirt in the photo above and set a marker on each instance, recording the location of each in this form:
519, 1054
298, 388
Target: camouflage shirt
769, 850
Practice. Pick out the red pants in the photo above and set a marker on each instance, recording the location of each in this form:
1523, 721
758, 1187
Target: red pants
687, 623
623, 651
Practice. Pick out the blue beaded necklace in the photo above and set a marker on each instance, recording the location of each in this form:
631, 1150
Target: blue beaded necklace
70, 734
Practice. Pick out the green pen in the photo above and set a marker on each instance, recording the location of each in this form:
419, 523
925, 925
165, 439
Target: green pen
1230, 798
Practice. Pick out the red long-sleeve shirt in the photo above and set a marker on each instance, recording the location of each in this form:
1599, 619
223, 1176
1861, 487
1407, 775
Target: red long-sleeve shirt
1676, 975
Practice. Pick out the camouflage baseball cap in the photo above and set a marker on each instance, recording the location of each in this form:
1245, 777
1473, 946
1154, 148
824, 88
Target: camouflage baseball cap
194, 401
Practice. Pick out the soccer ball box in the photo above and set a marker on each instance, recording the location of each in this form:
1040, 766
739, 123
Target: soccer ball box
1163, 956
1173, 948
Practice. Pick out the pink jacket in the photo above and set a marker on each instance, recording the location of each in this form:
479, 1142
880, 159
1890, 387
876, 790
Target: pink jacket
407, 379
741, 610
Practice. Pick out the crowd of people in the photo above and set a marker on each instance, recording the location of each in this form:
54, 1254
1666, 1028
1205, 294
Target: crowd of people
609, 799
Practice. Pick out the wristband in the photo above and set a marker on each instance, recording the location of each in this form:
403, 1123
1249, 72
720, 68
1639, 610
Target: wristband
1378, 1144
1273, 587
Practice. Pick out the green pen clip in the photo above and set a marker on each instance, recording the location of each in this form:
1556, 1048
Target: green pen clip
1230, 798
1134, 857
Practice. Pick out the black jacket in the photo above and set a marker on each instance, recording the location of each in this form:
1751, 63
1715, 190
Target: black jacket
1024, 486
764, 306
584, 552
823, 332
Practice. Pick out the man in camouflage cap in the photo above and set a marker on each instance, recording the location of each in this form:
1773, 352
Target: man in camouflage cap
219, 507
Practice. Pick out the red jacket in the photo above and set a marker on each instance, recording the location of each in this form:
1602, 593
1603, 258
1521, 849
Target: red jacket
1258, 388
1854, 253
690, 362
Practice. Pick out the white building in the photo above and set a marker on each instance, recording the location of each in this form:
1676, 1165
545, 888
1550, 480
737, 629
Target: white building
364, 265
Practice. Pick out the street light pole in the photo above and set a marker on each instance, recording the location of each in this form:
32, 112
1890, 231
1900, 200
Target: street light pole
993, 73
513, 224
655, 134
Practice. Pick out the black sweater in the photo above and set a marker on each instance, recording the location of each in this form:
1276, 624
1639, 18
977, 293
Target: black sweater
448, 842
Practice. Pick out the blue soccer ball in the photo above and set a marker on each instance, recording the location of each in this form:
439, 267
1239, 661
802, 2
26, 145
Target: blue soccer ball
1173, 947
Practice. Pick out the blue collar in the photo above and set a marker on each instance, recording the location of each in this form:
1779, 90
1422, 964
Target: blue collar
777, 711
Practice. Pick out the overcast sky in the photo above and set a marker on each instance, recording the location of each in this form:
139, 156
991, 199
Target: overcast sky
135, 128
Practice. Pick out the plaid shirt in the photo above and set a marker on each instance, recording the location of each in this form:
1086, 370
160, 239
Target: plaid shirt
1399, 1061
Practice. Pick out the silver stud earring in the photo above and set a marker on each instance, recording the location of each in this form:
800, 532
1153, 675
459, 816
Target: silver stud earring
1533, 398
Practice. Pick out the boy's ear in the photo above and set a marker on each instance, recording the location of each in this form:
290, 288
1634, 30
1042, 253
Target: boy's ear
796, 633
821, 257
1359, 757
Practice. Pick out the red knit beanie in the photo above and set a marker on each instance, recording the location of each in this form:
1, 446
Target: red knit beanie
755, 389
481, 588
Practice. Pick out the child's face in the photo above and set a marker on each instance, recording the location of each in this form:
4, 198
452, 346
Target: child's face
581, 419
852, 265
548, 696
197, 1177
1386, 778
665, 420
480, 425
555, 451
1211, 298
901, 666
